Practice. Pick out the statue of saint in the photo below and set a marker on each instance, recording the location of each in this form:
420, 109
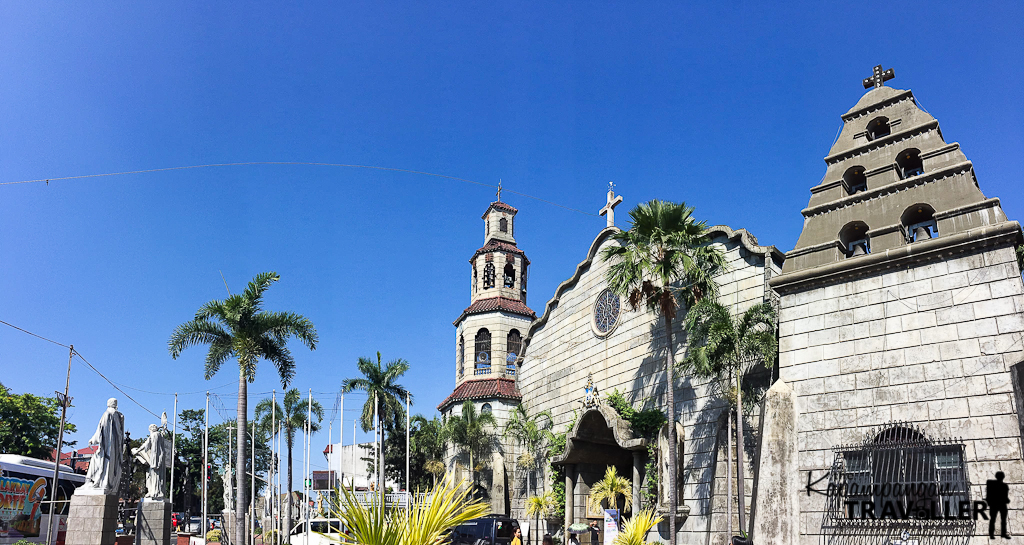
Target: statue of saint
227, 477
156, 453
104, 474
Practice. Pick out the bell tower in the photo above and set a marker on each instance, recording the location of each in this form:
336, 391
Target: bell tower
489, 337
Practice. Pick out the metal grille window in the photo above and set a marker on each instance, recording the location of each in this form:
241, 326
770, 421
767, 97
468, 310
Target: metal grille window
898, 482
483, 352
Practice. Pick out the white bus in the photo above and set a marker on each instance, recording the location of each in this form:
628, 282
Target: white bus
25, 495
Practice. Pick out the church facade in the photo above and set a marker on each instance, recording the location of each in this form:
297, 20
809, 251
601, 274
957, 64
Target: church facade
901, 312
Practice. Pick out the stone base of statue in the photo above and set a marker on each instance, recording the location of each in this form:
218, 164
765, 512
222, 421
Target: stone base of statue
154, 524
227, 526
92, 520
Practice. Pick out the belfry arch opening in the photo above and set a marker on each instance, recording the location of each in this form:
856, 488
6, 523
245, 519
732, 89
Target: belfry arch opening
919, 222
908, 163
878, 127
855, 180
854, 239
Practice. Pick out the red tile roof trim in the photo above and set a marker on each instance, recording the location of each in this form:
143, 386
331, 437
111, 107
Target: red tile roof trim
500, 206
487, 388
490, 304
499, 246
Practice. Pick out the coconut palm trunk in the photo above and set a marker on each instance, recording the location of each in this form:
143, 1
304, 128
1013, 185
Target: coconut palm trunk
240, 495
672, 454
288, 528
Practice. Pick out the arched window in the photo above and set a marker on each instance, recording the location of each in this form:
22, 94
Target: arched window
485, 409
854, 238
514, 348
482, 357
489, 276
462, 355
503, 225
919, 222
510, 276
855, 180
474, 278
908, 163
878, 127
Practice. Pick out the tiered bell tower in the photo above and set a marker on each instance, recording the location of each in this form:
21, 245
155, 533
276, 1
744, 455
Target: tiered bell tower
489, 338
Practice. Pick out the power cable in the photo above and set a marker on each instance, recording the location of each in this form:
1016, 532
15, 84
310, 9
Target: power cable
35, 335
116, 387
294, 163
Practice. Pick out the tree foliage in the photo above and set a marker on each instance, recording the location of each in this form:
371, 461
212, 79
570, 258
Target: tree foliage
380, 380
608, 489
239, 328
645, 423
29, 424
473, 433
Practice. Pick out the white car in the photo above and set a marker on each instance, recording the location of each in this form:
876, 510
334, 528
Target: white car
322, 531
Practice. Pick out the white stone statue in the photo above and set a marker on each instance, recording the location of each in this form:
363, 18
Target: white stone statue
156, 453
227, 477
104, 474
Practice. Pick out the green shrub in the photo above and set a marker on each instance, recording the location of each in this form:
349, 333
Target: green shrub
213, 536
646, 423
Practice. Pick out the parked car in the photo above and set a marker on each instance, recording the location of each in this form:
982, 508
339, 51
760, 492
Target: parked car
195, 526
489, 530
177, 519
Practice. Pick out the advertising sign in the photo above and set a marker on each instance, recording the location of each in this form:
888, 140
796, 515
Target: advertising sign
611, 525
20, 512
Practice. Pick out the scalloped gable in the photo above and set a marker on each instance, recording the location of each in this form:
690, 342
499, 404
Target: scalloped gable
745, 238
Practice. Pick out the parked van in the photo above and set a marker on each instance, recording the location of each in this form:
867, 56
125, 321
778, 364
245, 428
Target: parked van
489, 530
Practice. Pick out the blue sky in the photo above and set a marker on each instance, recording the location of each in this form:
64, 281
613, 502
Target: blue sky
728, 106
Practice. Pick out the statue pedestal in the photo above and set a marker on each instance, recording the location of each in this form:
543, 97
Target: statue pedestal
154, 524
92, 520
227, 525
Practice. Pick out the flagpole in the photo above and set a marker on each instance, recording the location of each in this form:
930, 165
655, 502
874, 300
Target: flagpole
206, 461
174, 437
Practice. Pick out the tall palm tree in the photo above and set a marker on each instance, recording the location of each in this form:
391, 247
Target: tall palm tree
608, 489
664, 259
472, 432
290, 417
726, 348
238, 327
533, 434
380, 382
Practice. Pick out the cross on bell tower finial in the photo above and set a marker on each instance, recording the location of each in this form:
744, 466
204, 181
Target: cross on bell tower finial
499, 190
879, 77
609, 209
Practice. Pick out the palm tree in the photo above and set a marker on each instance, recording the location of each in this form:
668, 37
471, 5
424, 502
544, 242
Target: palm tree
609, 489
383, 392
428, 438
533, 433
290, 417
238, 327
471, 432
634, 530
427, 521
726, 348
663, 259
537, 506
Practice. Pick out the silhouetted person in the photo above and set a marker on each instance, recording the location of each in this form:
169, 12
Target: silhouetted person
997, 494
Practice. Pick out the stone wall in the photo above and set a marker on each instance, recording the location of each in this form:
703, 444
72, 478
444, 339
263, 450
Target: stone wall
931, 343
564, 349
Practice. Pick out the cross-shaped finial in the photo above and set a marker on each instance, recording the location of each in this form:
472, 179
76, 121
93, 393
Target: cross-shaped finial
499, 190
609, 209
879, 77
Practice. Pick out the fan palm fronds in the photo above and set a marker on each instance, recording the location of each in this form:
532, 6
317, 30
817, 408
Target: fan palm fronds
635, 529
609, 489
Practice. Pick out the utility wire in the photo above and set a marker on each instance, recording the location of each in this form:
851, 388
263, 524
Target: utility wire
294, 163
116, 387
34, 335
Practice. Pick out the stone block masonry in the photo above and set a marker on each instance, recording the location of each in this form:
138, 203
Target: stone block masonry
92, 520
154, 524
944, 364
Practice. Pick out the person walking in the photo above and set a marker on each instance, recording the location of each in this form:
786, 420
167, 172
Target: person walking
517, 537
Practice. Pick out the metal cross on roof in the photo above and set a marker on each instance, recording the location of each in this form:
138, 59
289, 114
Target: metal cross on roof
499, 190
879, 77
